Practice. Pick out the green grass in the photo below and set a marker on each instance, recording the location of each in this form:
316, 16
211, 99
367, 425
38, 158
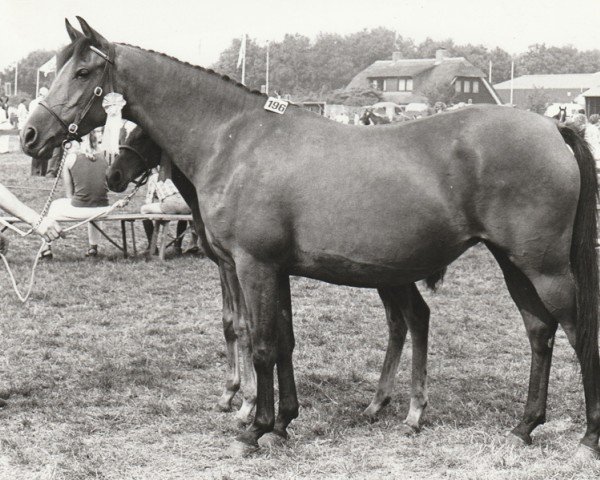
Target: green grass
112, 369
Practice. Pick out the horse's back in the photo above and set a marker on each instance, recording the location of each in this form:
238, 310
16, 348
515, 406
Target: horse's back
392, 204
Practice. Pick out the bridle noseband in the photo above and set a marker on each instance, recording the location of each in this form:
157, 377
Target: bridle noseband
71, 131
144, 177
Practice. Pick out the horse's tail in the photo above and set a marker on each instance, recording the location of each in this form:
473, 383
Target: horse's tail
583, 253
437, 277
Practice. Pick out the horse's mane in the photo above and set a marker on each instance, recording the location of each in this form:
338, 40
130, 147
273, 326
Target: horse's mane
210, 71
75, 48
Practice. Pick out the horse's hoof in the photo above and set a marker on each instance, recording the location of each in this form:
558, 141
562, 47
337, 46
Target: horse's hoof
273, 439
223, 406
518, 441
407, 430
371, 412
241, 449
243, 416
585, 454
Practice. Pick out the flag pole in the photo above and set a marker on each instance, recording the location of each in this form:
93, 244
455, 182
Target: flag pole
267, 76
490, 73
244, 68
37, 83
16, 78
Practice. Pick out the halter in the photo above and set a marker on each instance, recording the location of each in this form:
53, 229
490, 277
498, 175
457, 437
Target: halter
144, 177
72, 129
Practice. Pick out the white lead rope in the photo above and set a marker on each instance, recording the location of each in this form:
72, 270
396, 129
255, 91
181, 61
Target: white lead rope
118, 204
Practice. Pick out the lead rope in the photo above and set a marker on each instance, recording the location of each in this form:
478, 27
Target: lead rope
118, 204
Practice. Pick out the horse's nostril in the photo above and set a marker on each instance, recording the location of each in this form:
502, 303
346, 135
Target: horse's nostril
30, 136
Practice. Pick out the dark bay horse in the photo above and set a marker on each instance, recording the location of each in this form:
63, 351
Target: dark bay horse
139, 154
296, 194
371, 118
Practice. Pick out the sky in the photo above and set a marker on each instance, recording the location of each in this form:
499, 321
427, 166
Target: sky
198, 30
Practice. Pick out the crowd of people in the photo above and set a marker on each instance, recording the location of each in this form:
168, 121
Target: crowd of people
84, 178
589, 128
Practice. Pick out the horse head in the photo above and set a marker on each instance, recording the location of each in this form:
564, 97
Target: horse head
365, 118
73, 106
137, 155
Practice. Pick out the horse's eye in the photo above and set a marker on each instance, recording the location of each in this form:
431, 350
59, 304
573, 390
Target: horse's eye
82, 73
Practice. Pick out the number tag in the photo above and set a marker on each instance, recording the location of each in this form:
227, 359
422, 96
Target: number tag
276, 105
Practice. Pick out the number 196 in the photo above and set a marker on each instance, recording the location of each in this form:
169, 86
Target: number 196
277, 106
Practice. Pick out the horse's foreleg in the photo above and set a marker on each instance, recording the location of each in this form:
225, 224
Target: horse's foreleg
244, 414
288, 399
232, 382
259, 284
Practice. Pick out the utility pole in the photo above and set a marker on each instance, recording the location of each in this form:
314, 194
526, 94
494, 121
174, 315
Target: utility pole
512, 77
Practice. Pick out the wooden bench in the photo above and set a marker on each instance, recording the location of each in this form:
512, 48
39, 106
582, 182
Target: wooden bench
159, 239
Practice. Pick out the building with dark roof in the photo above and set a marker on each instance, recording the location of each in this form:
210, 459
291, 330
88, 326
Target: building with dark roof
404, 81
556, 88
592, 101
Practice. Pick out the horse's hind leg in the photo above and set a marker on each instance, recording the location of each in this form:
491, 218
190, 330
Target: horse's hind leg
405, 308
397, 329
548, 295
540, 327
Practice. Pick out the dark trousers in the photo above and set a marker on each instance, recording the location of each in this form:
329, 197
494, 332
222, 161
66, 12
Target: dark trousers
54, 162
38, 166
181, 226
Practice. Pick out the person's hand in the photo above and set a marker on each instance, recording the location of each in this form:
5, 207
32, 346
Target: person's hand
3, 244
121, 203
49, 229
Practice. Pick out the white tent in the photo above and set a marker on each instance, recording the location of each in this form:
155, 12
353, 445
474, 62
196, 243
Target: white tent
46, 68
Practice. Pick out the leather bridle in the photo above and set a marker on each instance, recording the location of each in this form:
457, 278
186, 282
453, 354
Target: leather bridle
148, 168
71, 131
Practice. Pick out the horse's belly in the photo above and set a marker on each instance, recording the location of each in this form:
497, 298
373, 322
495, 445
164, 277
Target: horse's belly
376, 266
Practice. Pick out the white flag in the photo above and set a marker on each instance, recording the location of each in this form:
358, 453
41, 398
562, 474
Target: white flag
49, 66
242, 54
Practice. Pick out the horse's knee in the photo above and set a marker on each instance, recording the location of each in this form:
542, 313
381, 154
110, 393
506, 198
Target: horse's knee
264, 356
228, 327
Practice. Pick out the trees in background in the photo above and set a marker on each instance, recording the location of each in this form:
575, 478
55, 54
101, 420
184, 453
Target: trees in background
316, 69
28, 67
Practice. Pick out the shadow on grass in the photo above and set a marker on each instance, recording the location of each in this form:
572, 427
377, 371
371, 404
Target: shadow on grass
471, 401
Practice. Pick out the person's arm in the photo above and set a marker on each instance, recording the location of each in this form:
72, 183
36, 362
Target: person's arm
47, 228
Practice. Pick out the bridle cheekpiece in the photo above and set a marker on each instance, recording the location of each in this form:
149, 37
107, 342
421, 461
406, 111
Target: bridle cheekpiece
71, 130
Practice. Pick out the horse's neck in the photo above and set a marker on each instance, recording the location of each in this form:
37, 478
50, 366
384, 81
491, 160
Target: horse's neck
181, 107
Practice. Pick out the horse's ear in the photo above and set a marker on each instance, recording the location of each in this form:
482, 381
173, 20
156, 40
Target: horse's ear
73, 33
92, 34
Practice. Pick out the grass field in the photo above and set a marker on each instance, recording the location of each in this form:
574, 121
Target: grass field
112, 369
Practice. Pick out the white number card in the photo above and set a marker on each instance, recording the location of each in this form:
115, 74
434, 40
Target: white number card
276, 105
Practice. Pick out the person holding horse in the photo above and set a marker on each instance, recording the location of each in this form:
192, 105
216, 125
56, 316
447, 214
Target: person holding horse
86, 189
46, 228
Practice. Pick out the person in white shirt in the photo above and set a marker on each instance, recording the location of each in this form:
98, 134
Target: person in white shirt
22, 114
162, 196
36, 101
